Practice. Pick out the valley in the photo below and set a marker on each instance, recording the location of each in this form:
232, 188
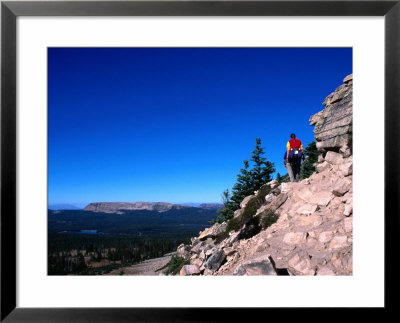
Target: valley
83, 242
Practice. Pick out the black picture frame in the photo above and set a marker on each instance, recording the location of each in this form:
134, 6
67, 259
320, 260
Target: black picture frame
10, 10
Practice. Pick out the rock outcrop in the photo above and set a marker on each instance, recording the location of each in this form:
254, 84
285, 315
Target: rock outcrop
312, 227
119, 207
333, 125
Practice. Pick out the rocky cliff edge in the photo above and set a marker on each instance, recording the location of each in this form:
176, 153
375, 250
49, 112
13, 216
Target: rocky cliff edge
312, 230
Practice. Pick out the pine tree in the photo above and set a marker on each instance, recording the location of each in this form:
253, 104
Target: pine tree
248, 181
243, 186
262, 169
307, 168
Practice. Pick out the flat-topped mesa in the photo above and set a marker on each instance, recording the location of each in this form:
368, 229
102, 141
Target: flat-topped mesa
334, 125
115, 207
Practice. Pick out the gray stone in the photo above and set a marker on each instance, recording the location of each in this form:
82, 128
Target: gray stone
215, 260
262, 265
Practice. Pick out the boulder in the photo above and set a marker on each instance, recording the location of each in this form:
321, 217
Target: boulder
333, 158
188, 270
322, 167
261, 265
342, 187
321, 198
215, 260
346, 168
213, 231
277, 202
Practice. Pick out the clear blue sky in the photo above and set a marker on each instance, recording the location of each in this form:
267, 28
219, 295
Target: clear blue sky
175, 124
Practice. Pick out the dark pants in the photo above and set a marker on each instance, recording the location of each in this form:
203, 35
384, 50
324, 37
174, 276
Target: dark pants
295, 163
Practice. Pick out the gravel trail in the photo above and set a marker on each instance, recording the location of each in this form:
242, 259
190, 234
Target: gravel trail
145, 268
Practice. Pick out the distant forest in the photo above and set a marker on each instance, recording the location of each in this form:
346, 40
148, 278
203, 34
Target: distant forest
84, 242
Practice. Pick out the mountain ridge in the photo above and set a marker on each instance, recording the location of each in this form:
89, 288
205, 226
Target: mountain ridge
118, 207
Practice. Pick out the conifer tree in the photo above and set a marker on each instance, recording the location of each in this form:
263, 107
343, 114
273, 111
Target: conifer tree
307, 168
243, 186
262, 169
248, 181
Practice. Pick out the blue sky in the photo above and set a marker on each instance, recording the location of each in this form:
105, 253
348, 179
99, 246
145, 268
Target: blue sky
175, 124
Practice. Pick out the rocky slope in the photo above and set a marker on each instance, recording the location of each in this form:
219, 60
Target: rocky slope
119, 207
312, 233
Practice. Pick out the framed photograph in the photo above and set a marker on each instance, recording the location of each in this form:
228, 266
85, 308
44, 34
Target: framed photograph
141, 157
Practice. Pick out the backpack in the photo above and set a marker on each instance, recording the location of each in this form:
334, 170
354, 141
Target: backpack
295, 153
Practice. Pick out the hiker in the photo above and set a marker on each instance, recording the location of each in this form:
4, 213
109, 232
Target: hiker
294, 154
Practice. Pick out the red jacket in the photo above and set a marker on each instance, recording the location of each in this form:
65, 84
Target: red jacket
294, 143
